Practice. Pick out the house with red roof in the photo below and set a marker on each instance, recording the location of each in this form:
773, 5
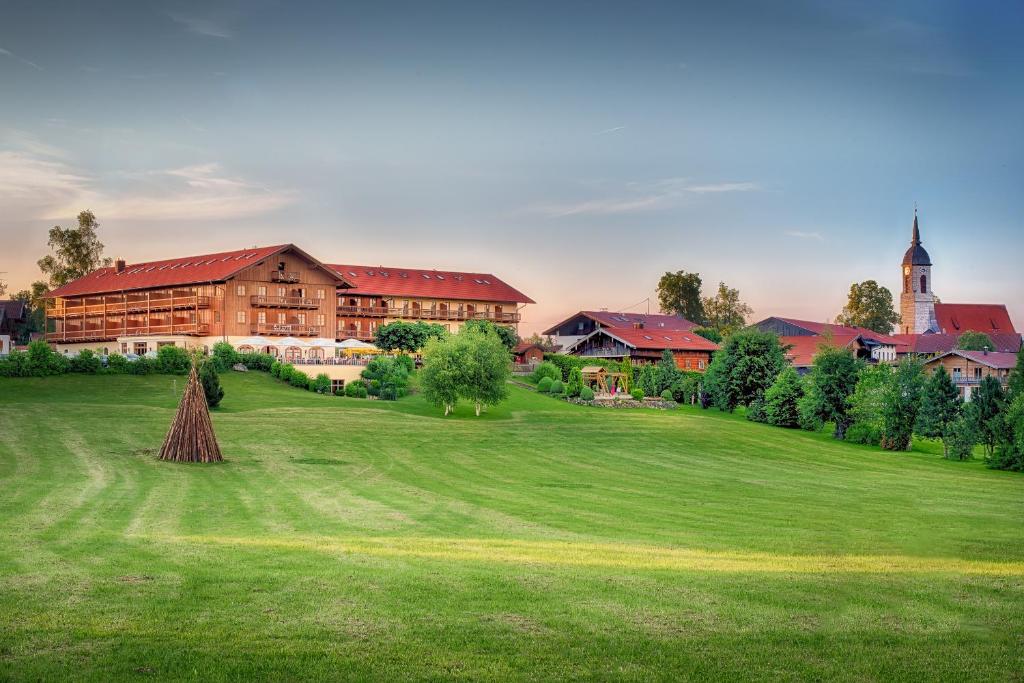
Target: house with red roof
379, 295
582, 323
968, 368
249, 296
643, 344
879, 347
800, 350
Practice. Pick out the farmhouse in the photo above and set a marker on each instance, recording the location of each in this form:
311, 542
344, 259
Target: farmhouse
278, 292
580, 324
968, 368
879, 347
527, 353
642, 345
801, 349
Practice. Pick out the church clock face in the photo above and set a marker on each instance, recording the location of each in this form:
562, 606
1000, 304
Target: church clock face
906, 270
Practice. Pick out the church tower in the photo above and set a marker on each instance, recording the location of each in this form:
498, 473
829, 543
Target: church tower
917, 302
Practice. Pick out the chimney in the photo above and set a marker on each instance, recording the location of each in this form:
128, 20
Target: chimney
984, 350
639, 325
119, 265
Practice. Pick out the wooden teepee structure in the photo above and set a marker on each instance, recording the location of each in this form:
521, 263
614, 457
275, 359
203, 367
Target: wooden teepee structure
191, 438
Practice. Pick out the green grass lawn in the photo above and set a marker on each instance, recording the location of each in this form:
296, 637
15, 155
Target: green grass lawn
362, 539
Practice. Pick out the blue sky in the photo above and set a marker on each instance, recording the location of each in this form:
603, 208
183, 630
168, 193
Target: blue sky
577, 150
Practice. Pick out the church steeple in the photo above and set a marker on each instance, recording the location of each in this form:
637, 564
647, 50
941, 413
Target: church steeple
917, 302
916, 239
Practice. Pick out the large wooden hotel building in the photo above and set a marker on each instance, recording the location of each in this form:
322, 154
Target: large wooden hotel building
270, 292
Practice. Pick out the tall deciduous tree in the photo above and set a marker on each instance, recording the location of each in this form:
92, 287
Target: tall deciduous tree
724, 311
940, 407
76, 251
870, 305
1015, 387
744, 368
832, 381
406, 337
974, 341
679, 294
988, 403
900, 407
473, 365
867, 403
505, 333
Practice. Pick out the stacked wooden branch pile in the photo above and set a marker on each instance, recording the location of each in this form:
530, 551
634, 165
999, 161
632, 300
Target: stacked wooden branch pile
191, 437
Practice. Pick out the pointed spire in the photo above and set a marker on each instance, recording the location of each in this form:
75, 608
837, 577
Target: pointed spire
917, 233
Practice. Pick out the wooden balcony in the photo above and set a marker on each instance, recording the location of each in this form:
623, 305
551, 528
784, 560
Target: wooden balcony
427, 314
286, 330
264, 301
123, 304
356, 334
284, 276
99, 333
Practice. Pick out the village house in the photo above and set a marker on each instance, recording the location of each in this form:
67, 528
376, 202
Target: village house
579, 325
277, 293
643, 345
968, 368
12, 314
871, 345
527, 353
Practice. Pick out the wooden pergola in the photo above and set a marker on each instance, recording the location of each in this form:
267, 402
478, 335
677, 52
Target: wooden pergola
603, 379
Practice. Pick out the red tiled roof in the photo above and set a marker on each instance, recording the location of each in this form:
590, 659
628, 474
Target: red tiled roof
959, 318
823, 328
654, 321
805, 347
523, 347
996, 360
430, 284
659, 340
941, 343
173, 272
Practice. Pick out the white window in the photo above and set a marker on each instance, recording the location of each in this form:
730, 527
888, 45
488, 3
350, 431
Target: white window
320, 319
280, 291
280, 318
261, 317
240, 290
240, 316
262, 290
302, 318
700, 364
319, 294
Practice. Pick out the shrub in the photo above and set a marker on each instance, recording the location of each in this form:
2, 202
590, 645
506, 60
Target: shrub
557, 388
575, 383
686, 387
782, 400
355, 389
297, 378
142, 366
257, 361
118, 364
172, 360
406, 362
41, 361
960, 437
86, 362
564, 364
667, 395
225, 356
275, 369
546, 369
756, 411
647, 381
15, 365
637, 394
586, 394
544, 385
322, 384
210, 381
387, 377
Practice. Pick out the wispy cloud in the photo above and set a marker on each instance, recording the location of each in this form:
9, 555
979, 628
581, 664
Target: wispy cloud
801, 235
608, 131
203, 26
634, 197
8, 53
39, 182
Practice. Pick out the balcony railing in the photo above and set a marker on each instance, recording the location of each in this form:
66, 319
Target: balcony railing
427, 313
132, 305
284, 276
283, 301
287, 330
356, 334
113, 332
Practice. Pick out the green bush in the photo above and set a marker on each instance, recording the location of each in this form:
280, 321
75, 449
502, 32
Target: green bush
225, 356
387, 377
86, 362
546, 369
544, 385
142, 366
406, 362
667, 395
275, 369
297, 378
637, 394
356, 389
118, 364
257, 361
43, 362
575, 383
557, 388
210, 382
586, 394
322, 384
15, 365
756, 411
172, 360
